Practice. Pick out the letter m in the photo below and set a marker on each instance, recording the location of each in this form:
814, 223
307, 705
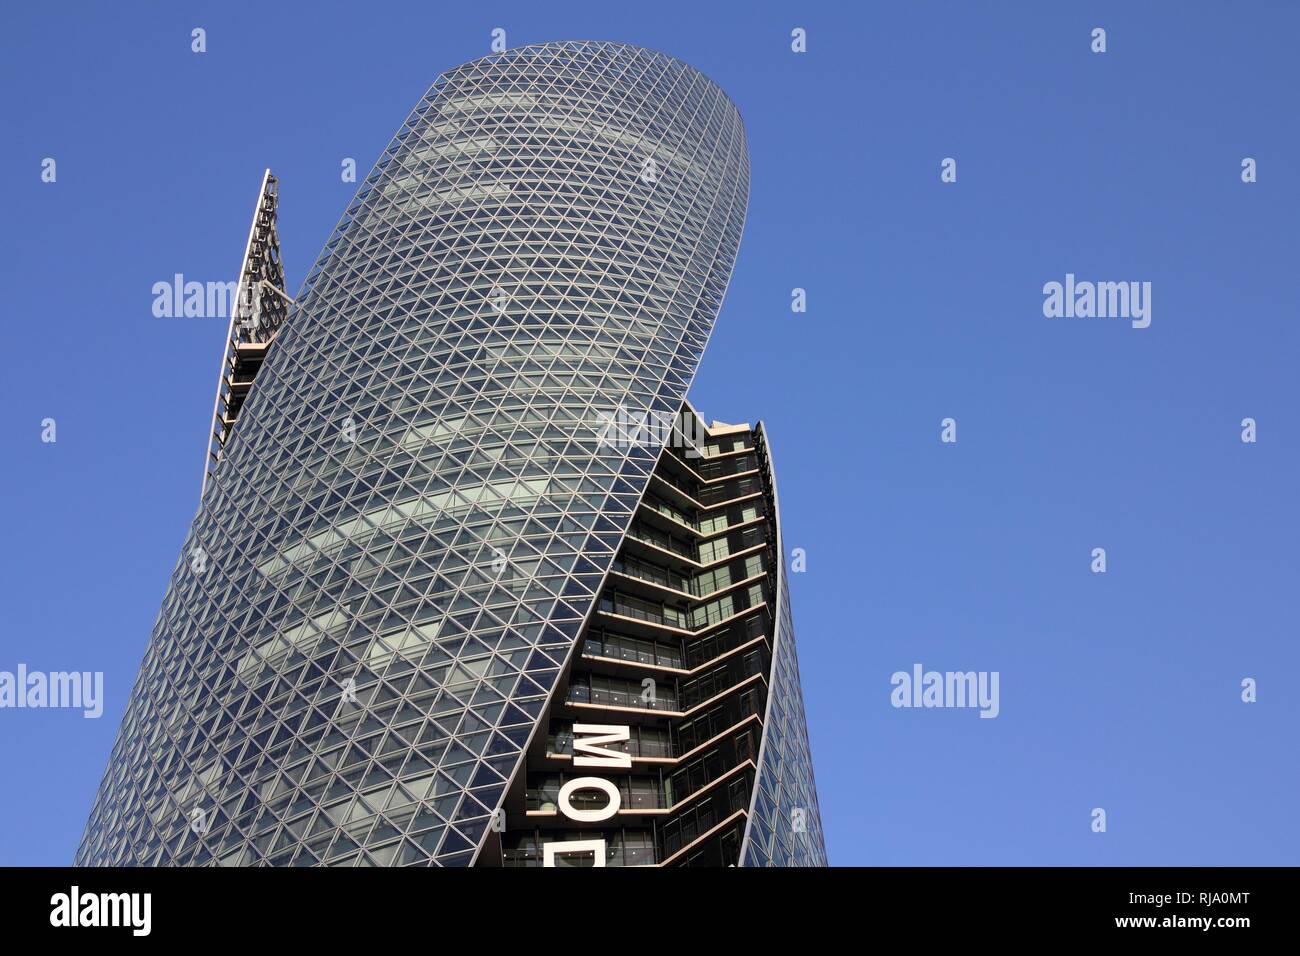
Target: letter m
1112, 300
117, 909
221, 298
65, 689
961, 688
594, 747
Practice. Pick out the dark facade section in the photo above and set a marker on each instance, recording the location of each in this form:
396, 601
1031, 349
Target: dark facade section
675, 736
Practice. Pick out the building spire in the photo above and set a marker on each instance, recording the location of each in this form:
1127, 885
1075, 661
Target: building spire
260, 307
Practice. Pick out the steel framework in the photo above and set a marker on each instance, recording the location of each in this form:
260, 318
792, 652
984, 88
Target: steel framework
261, 306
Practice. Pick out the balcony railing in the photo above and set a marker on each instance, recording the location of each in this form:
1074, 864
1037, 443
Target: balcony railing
717, 680
701, 650
699, 772
546, 797
659, 539
709, 495
726, 713
699, 818
646, 743
635, 697
619, 647
640, 852
625, 606
649, 572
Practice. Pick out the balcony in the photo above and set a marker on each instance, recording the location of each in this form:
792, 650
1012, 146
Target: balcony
646, 742
643, 571
637, 794
656, 538
631, 650
612, 692
700, 819
623, 847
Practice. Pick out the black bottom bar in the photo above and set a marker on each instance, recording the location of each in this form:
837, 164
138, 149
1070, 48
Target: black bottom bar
342, 907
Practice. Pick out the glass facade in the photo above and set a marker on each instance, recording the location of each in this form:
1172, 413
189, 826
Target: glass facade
379, 603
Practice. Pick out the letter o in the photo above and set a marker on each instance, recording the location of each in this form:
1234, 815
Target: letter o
589, 783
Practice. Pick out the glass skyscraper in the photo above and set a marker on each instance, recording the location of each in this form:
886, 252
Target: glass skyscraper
471, 582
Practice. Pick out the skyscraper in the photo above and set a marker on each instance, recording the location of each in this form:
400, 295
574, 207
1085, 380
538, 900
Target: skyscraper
470, 582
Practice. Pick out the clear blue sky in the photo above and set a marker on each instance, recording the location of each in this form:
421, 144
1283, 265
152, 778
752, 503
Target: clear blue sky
925, 301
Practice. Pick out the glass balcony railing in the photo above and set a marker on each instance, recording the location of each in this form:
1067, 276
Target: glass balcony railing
668, 511
640, 795
698, 619
700, 585
659, 539
629, 848
648, 572
626, 606
699, 818
644, 742
622, 648
634, 696
701, 650
726, 713
718, 680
